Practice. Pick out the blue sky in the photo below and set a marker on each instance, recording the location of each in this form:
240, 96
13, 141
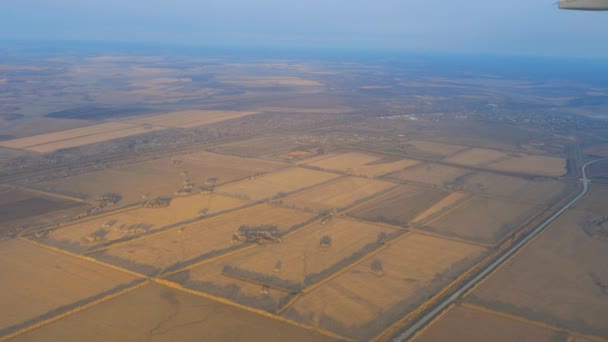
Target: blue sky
464, 26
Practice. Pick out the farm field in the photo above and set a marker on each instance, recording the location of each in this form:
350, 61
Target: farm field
50, 142
555, 279
449, 201
477, 157
198, 241
19, 204
482, 219
265, 81
159, 313
159, 178
282, 181
300, 260
120, 225
41, 281
339, 194
431, 174
432, 148
384, 288
266, 146
363, 164
540, 191
540, 165
210, 278
187, 118
401, 206
598, 150
462, 323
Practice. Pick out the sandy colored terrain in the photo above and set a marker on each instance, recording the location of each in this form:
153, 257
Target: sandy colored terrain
180, 209
258, 147
187, 118
432, 148
303, 261
413, 268
363, 164
39, 280
75, 134
515, 188
554, 279
159, 178
198, 240
339, 194
598, 150
428, 173
462, 323
283, 181
39, 125
477, 157
399, 207
483, 219
158, 313
444, 204
540, 165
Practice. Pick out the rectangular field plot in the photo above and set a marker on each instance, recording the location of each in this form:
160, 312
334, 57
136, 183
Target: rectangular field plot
18, 204
400, 206
477, 157
159, 178
339, 194
78, 136
188, 118
431, 174
556, 279
539, 165
434, 149
446, 203
309, 255
542, 191
38, 281
483, 219
174, 248
369, 297
363, 164
277, 183
159, 313
93, 233
463, 323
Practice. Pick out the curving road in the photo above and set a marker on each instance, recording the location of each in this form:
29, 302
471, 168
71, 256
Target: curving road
427, 318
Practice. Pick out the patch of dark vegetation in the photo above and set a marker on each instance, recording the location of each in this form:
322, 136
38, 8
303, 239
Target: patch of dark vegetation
97, 113
30, 207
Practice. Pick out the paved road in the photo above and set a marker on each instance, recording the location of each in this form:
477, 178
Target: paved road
491, 267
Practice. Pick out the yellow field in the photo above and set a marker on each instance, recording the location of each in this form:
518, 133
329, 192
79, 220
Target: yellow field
433, 148
37, 281
477, 157
187, 118
433, 174
514, 188
75, 137
339, 194
482, 219
541, 165
439, 207
159, 178
360, 303
283, 181
363, 164
303, 260
554, 279
200, 239
462, 323
159, 313
180, 209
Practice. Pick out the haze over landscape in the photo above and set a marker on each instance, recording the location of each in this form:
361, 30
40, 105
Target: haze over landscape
303, 171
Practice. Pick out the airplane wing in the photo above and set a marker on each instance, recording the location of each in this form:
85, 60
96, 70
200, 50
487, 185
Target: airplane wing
584, 5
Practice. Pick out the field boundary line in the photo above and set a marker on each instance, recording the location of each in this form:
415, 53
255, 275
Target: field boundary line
289, 303
65, 314
376, 197
346, 268
451, 238
267, 314
206, 261
447, 210
529, 321
51, 194
426, 327
84, 258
